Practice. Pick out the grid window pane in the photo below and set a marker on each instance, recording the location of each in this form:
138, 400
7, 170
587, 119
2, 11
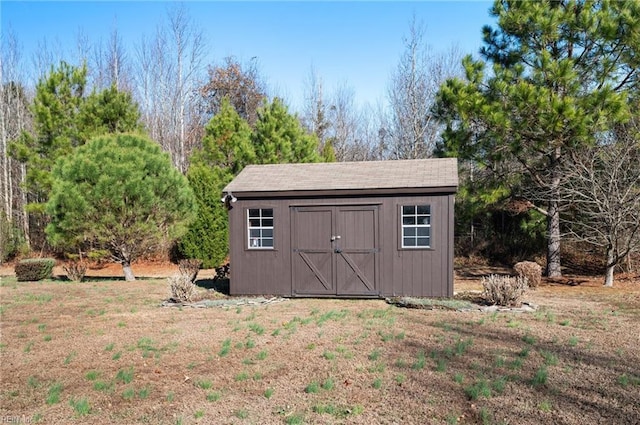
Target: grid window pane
260, 228
407, 210
423, 209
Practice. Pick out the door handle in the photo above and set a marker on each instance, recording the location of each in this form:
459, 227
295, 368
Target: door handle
335, 238
337, 251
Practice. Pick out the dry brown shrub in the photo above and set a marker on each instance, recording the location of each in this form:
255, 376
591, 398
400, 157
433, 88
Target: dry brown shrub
181, 286
504, 290
529, 270
75, 270
190, 268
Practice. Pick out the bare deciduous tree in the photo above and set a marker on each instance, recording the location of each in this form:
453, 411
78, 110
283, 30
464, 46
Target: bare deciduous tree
412, 131
14, 118
603, 187
168, 68
241, 84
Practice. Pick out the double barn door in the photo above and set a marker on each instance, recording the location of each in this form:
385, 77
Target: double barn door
335, 250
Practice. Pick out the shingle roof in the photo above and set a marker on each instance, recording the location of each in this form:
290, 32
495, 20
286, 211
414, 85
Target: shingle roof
417, 173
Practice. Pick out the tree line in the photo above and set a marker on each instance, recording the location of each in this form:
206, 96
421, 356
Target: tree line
545, 123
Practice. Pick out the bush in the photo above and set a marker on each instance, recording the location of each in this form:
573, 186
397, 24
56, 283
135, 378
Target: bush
190, 268
75, 270
504, 290
182, 289
530, 271
34, 269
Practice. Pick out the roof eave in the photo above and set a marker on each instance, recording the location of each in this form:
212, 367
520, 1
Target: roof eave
346, 192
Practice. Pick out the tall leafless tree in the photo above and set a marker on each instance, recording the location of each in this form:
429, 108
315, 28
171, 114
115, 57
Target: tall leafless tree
411, 130
14, 118
602, 184
168, 74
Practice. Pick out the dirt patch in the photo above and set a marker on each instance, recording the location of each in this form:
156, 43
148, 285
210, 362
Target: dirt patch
104, 351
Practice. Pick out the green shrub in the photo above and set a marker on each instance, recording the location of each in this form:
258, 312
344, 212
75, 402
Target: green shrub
34, 269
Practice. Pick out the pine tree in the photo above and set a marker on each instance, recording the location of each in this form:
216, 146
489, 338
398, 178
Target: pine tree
279, 137
562, 75
119, 193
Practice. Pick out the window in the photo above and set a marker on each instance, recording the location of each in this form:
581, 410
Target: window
260, 228
416, 226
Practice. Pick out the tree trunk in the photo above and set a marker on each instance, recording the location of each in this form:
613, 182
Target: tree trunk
128, 272
553, 243
608, 279
553, 218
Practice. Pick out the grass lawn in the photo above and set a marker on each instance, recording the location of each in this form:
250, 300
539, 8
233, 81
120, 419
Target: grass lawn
104, 351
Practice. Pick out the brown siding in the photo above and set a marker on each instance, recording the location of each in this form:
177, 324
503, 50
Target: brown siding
408, 272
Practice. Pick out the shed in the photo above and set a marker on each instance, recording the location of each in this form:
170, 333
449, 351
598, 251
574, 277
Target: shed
343, 229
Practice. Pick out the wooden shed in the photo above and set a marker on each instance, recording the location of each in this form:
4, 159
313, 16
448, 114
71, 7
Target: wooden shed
344, 229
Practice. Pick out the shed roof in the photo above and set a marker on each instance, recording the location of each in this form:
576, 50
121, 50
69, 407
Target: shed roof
347, 176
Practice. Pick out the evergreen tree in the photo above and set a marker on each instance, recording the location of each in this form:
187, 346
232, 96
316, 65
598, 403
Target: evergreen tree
118, 193
225, 152
562, 75
279, 137
64, 118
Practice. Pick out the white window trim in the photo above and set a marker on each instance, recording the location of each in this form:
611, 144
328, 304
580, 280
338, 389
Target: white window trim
415, 226
261, 228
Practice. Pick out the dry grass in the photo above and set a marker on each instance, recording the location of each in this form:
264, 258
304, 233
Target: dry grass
103, 351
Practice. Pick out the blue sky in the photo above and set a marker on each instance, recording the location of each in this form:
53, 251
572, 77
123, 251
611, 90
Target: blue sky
356, 44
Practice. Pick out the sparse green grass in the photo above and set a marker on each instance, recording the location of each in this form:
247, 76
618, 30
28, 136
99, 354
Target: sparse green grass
485, 416
226, 348
214, 396
53, 395
125, 375
129, 394
33, 382
545, 406
550, 359
328, 355
328, 384
529, 339
478, 389
441, 364
625, 380
241, 414
92, 375
312, 388
258, 329
109, 347
294, 419
242, 376
103, 386
81, 406
374, 355
540, 377
117, 356
400, 378
70, 357
377, 383
204, 384
262, 355
198, 414
420, 361
268, 393
458, 378
573, 341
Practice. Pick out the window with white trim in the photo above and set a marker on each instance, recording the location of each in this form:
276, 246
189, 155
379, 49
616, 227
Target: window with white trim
260, 228
416, 226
